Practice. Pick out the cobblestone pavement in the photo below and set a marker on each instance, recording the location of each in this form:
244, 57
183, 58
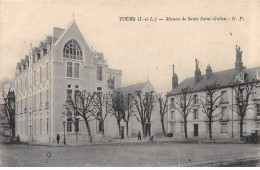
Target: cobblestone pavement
129, 154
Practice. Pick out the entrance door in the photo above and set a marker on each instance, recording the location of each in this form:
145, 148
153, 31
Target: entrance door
122, 132
196, 130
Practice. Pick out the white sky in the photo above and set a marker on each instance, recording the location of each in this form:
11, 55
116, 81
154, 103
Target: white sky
140, 49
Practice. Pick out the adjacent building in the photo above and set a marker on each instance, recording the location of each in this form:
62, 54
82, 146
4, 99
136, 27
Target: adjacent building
226, 124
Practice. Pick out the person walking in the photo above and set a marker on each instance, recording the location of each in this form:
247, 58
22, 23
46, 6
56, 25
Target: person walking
139, 136
58, 138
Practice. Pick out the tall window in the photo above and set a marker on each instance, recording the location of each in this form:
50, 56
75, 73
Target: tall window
69, 125
34, 126
258, 109
40, 98
99, 73
77, 97
172, 102
195, 99
34, 101
40, 74
223, 113
47, 95
76, 71
195, 114
172, 128
182, 127
172, 115
47, 71
47, 125
34, 77
40, 126
77, 125
224, 96
69, 95
224, 128
69, 69
21, 85
72, 50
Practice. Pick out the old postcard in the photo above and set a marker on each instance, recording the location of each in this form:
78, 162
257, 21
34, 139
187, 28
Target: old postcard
132, 83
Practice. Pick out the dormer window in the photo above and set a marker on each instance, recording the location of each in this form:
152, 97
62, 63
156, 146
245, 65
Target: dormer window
72, 50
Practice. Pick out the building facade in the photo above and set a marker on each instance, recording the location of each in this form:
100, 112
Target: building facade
227, 122
61, 65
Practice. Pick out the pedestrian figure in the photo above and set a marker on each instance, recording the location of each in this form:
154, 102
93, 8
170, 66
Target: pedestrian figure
139, 136
18, 138
58, 138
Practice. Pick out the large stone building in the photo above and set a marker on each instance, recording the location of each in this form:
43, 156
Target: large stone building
226, 124
62, 63
60, 66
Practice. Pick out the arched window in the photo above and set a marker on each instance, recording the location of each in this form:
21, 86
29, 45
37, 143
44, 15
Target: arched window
72, 50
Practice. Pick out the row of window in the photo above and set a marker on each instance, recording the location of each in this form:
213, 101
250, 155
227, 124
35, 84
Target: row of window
223, 114
24, 126
223, 127
23, 103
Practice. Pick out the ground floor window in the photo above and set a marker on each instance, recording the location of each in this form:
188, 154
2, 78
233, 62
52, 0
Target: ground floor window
182, 127
34, 126
77, 124
47, 125
172, 128
224, 128
257, 124
258, 109
69, 125
207, 127
100, 126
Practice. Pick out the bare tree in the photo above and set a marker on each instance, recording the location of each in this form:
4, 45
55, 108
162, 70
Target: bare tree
116, 108
163, 103
184, 103
9, 102
75, 120
210, 103
128, 111
82, 106
243, 91
144, 105
101, 105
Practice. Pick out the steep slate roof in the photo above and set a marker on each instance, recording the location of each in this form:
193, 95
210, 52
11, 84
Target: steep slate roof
130, 89
222, 78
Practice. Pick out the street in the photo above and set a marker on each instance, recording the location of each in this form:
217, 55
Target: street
131, 154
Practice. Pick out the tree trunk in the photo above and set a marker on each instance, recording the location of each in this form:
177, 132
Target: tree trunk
210, 128
89, 131
185, 127
119, 128
162, 120
103, 129
127, 127
143, 129
241, 126
76, 136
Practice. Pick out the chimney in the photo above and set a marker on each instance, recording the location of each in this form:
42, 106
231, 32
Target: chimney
208, 72
239, 63
174, 78
57, 32
197, 71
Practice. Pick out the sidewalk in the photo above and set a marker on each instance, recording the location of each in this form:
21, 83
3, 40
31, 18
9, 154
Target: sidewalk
135, 141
